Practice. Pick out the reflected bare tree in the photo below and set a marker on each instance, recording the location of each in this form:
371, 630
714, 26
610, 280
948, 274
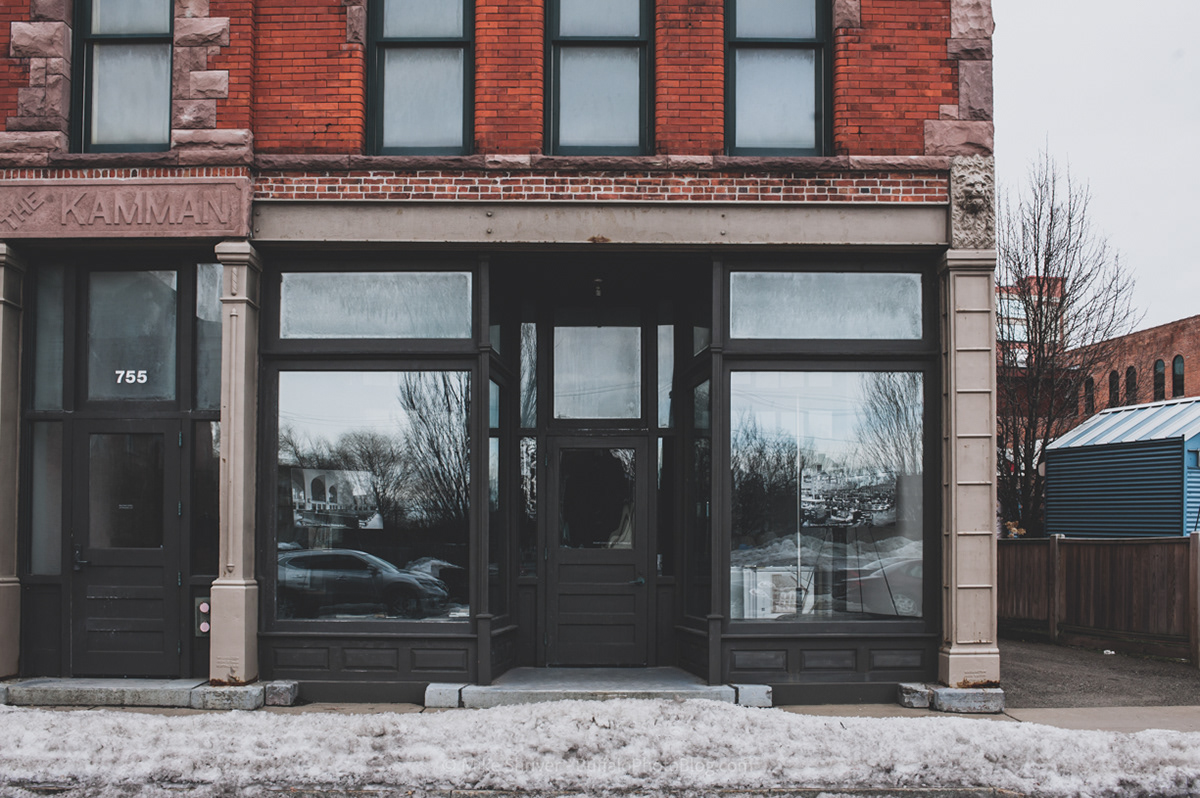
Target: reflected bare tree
436, 405
891, 427
381, 458
302, 451
765, 469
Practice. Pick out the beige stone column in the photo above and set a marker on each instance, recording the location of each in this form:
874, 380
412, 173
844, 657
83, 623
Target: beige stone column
11, 275
234, 637
969, 656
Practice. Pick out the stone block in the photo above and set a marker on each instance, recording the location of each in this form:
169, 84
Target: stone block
52, 99
281, 694
211, 84
194, 114
950, 137
947, 112
191, 8
975, 90
58, 66
50, 10
33, 141
847, 13
969, 700
211, 139
40, 40
443, 695
970, 49
753, 695
37, 123
971, 19
244, 697
356, 24
915, 695
37, 71
201, 31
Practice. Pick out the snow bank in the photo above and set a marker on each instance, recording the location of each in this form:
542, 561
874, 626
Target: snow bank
643, 746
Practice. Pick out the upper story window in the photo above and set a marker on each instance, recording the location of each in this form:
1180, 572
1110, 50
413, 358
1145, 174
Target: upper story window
1177, 376
598, 94
123, 77
1131, 389
1114, 389
1160, 381
1089, 396
420, 54
776, 88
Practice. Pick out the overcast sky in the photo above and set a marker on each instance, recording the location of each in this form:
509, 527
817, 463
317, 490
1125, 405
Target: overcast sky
1113, 89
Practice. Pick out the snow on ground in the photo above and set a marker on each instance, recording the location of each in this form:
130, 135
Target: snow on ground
643, 747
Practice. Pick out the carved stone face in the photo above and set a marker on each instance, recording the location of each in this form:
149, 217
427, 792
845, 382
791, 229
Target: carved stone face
975, 193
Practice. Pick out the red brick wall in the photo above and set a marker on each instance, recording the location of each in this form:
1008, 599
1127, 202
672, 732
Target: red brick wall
591, 186
14, 72
1141, 349
689, 87
509, 56
309, 92
890, 76
238, 59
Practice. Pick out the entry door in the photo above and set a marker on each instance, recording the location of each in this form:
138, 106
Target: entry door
597, 602
125, 550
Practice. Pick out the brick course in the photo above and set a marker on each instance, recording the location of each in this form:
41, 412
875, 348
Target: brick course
902, 187
234, 111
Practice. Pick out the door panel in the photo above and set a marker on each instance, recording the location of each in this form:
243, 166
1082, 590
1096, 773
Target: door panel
125, 577
597, 594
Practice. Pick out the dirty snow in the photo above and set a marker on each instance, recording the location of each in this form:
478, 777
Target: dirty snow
640, 747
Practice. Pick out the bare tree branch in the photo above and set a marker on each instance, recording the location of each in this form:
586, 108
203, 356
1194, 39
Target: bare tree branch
1063, 295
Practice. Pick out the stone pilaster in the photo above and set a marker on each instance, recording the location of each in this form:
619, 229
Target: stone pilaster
969, 656
234, 637
11, 275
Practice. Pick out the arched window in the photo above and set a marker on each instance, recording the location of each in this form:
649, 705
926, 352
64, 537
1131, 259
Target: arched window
1160, 380
1131, 396
1114, 388
1089, 397
1177, 376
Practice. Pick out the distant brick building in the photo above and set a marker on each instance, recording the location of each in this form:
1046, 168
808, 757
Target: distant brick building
1147, 366
424, 340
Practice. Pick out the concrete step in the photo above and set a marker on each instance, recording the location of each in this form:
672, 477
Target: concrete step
535, 685
193, 693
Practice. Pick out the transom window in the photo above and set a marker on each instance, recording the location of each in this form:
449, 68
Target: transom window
421, 67
599, 77
777, 71
123, 79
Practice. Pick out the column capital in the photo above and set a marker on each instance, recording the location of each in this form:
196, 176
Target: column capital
239, 252
968, 260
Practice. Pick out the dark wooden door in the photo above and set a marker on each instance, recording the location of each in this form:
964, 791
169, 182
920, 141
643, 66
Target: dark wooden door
597, 596
126, 562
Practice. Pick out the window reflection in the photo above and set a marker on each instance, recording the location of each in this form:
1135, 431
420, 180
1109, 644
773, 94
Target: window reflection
374, 492
827, 495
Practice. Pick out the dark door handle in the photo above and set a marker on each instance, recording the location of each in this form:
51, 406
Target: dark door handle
78, 562
638, 582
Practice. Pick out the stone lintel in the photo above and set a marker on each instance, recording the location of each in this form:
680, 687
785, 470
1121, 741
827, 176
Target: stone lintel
158, 207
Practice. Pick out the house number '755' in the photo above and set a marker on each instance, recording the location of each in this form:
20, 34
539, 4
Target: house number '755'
131, 376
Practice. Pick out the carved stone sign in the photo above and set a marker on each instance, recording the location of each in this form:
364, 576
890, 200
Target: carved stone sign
212, 207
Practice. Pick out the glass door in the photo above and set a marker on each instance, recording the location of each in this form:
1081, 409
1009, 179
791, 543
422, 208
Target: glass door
597, 607
125, 550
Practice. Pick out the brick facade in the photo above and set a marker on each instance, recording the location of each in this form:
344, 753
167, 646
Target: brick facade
1141, 349
310, 82
910, 77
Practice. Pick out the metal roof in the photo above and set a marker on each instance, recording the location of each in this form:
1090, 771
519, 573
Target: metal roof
1158, 421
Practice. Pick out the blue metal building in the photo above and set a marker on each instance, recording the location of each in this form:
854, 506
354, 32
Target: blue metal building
1127, 472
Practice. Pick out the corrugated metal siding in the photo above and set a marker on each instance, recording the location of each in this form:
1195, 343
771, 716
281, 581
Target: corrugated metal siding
1129, 489
1191, 488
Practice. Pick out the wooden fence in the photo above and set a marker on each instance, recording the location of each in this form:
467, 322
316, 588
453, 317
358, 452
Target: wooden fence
1138, 596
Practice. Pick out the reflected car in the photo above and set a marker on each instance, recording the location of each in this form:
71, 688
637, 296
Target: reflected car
353, 582
894, 589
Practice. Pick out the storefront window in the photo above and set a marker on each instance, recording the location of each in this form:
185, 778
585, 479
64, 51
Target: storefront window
826, 495
373, 305
825, 305
374, 495
131, 335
